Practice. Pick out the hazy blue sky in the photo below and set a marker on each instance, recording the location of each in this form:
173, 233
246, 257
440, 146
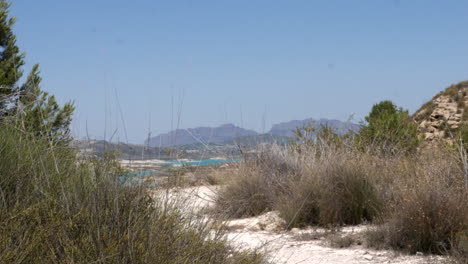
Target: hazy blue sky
240, 61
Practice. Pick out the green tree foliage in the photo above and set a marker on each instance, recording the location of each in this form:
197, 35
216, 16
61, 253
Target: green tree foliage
388, 130
11, 60
35, 110
40, 112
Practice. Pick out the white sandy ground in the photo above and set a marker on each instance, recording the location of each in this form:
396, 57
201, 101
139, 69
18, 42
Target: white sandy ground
290, 247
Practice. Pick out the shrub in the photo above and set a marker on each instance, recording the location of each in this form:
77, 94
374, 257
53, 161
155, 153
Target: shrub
388, 130
430, 213
349, 195
257, 183
300, 206
245, 195
428, 221
336, 191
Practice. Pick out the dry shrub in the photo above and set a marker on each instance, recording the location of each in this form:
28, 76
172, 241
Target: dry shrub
245, 195
255, 185
348, 193
299, 207
335, 187
429, 219
430, 210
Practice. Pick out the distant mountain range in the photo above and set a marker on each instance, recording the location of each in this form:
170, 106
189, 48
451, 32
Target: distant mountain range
229, 133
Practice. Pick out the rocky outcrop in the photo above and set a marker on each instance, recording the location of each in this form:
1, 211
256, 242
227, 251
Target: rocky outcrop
442, 117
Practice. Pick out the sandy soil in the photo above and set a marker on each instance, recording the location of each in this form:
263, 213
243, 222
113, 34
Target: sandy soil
306, 246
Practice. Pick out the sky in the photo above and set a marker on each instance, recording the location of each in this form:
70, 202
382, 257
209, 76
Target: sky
131, 67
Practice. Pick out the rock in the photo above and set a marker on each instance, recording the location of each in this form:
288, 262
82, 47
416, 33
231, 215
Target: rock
436, 123
271, 221
436, 116
439, 134
456, 119
267, 222
368, 257
431, 129
428, 136
452, 122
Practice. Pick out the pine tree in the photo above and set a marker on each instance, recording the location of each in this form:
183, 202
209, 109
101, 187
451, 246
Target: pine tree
34, 110
40, 113
11, 60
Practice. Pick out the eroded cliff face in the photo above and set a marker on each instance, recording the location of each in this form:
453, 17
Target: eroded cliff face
441, 118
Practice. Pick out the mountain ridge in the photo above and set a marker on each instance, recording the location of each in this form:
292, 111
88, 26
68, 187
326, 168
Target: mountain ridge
229, 132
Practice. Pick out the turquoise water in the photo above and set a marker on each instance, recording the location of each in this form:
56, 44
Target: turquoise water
132, 177
201, 162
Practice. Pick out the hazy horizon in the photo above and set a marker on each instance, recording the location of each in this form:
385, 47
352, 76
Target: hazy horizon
134, 67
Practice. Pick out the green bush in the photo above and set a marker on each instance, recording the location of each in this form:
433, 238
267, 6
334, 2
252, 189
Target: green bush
388, 130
